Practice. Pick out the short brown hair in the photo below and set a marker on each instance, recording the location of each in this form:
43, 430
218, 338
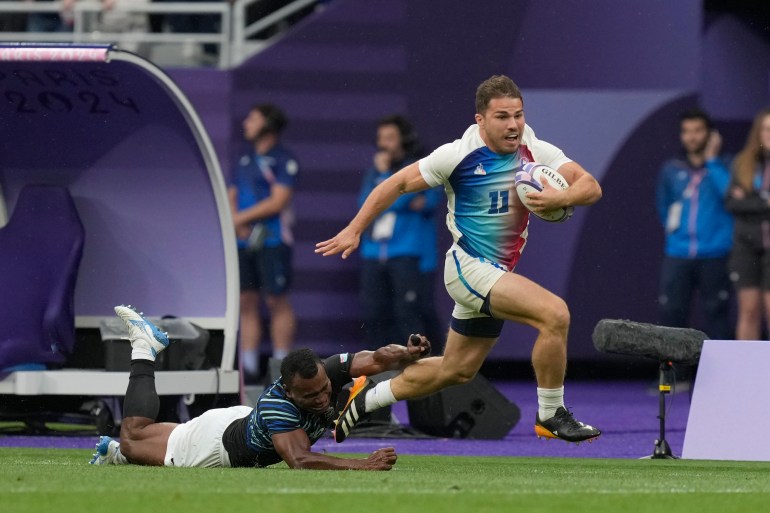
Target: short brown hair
497, 86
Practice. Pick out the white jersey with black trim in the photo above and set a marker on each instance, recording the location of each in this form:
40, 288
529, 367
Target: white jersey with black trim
486, 217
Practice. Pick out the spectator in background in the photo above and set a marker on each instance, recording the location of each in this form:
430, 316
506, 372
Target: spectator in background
749, 202
690, 204
61, 21
260, 197
114, 20
392, 288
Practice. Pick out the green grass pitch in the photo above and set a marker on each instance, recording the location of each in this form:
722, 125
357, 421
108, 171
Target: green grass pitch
61, 481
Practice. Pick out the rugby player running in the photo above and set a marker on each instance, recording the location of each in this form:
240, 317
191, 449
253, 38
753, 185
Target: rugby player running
489, 225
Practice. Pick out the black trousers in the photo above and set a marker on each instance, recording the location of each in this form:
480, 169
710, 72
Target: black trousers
391, 298
681, 278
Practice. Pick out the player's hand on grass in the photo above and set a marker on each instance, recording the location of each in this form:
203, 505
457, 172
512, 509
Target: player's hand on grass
344, 242
381, 459
418, 346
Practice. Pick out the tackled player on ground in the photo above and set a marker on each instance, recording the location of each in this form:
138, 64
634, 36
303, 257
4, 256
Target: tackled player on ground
290, 416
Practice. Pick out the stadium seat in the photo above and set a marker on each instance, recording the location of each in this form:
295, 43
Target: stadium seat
40, 251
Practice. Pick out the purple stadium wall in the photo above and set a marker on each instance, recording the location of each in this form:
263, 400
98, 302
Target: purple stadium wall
600, 80
358, 61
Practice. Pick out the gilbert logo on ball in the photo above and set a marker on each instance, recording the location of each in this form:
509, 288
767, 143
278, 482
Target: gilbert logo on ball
530, 179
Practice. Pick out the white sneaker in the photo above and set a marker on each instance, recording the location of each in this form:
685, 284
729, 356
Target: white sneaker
141, 332
108, 453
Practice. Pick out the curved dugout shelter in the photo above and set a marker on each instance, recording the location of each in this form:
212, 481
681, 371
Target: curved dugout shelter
122, 138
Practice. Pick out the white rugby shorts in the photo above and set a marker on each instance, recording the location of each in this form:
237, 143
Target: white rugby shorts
198, 442
468, 280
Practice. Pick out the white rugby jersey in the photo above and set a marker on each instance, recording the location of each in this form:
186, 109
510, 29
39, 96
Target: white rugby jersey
486, 217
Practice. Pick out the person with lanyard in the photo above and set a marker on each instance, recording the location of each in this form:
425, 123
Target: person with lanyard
698, 229
394, 295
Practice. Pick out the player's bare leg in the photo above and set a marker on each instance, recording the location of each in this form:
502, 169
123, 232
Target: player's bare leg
516, 298
461, 361
463, 357
143, 441
513, 298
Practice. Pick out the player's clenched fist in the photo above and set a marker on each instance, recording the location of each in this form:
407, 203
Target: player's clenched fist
418, 346
381, 459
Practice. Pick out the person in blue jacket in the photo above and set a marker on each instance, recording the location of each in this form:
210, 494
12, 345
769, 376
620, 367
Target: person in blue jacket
393, 289
698, 229
260, 193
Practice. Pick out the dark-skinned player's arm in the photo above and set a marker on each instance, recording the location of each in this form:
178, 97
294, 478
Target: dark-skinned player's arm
406, 180
294, 448
390, 357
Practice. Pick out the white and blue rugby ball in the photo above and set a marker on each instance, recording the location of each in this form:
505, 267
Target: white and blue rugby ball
529, 178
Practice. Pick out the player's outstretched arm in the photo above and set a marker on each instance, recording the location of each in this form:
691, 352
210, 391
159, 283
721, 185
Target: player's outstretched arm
405, 181
294, 448
390, 357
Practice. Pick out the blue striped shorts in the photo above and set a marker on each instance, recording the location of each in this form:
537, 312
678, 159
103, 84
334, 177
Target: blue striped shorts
468, 280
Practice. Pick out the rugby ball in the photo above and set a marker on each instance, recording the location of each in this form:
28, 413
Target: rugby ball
529, 179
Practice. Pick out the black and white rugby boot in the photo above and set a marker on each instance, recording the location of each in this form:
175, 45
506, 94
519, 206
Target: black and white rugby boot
564, 427
354, 410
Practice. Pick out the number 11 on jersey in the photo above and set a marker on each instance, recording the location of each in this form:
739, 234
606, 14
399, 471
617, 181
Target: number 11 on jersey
498, 202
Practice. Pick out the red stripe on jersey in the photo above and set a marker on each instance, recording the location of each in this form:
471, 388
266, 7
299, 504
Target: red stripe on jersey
525, 155
521, 241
